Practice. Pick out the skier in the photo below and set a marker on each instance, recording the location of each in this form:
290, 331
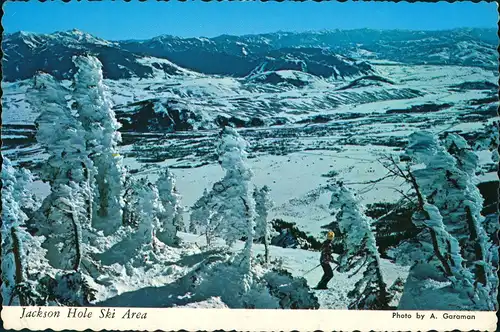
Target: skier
325, 259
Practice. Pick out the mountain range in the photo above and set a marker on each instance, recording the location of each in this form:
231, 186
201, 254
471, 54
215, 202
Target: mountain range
335, 54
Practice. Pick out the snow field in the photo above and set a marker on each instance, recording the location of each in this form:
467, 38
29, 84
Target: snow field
292, 178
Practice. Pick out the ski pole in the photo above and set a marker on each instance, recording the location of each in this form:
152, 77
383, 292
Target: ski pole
311, 269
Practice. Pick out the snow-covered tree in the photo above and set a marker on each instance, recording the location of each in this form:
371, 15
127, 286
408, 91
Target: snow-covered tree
448, 184
437, 274
148, 207
68, 171
23, 261
448, 255
58, 131
171, 220
263, 228
229, 208
102, 138
13, 251
232, 196
199, 211
27, 200
64, 211
489, 140
204, 219
131, 187
468, 161
370, 292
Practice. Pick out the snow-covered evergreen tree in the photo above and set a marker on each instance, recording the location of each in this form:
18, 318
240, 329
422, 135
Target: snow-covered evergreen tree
448, 184
448, 255
489, 140
148, 207
437, 277
370, 292
131, 186
23, 259
13, 252
102, 138
229, 208
204, 219
263, 228
58, 131
68, 170
171, 220
468, 161
64, 211
232, 196
26, 199
199, 211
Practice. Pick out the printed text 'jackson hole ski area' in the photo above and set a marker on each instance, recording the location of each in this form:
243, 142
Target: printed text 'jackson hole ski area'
166, 162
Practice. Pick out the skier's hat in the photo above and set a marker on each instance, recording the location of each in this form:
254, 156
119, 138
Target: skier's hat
330, 235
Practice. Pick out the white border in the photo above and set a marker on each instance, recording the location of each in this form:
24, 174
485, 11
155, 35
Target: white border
168, 319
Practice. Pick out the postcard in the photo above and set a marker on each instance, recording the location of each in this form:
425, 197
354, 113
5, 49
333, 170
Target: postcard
253, 166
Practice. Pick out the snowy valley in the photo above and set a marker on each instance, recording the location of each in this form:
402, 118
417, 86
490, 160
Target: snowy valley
157, 147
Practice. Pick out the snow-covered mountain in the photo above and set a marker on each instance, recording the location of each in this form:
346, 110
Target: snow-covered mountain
237, 55
337, 53
26, 53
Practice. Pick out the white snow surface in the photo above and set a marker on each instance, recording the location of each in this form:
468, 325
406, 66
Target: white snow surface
214, 95
158, 285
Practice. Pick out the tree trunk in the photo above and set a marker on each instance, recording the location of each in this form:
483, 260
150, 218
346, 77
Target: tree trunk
478, 250
154, 242
16, 248
89, 193
383, 296
207, 236
77, 236
415, 186
438, 254
266, 248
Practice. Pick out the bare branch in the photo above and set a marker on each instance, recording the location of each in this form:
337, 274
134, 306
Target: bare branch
371, 181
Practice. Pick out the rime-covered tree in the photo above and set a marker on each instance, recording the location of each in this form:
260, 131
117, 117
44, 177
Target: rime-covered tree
23, 258
26, 273
58, 131
370, 292
447, 182
436, 274
232, 196
68, 170
131, 186
489, 140
13, 251
148, 207
263, 228
204, 219
468, 161
27, 200
445, 263
230, 207
102, 138
199, 211
171, 220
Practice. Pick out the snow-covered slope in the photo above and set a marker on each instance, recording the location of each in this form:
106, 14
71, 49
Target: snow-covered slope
167, 285
284, 96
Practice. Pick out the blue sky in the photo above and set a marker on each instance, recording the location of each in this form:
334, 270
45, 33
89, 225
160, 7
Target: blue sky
117, 20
